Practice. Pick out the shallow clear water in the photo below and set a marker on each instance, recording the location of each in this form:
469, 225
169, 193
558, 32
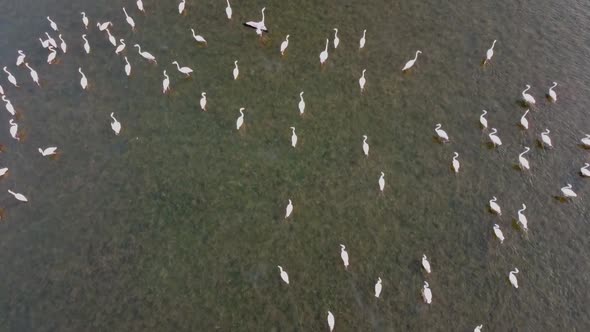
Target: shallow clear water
177, 223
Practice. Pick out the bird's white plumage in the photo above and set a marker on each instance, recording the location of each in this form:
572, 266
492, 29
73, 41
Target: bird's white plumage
344, 256
490, 52
111, 37
482, 120
456, 164
121, 46
378, 288
198, 38
442, 135
52, 24
83, 79
522, 220
84, 20
18, 196
33, 74
523, 120
11, 78
331, 321
146, 55
139, 4
365, 146
586, 141
496, 141
546, 139
512, 277
166, 83
115, 125
3, 171
478, 328
284, 45
382, 182
568, 192
63, 45
228, 11
203, 101
8, 105
240, 120
289, 209
86, 44
498, 233
528, 99
411, 63
324, 54
427, 293
181, 6
236, 70
13, 129
301, 103
362, 81
584, 170
522, 161
425, 264
52, 55
283, 274
551, 93
336, 39
129, 19
363, 39
494, 206
184, 70
48, 151
293, 137
21, 58
127, 67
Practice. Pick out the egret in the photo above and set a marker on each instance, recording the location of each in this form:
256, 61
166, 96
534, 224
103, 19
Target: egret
378, 288
129, 19
344, 256
86, 45
181, 6
427, 293
584, 170
425, 263
127, 67
111, 38
568, 192
494, 138
121, 47
48, 151
482, 120
14, 129
545, 138
259, 26
336, 39
362, 81
53, 25
52, 55
103, 26
586, 141
494, 206
293, 137
11, 78
442, 135
284, 275
528, 99
456, 164
512, 277
145, 55
83, 80
184, 70
490, 53
62, 45
523, 162
523, 121
324, 54
410, 63
203, 101
21, 58
198, 38
115, 125
34, 74
302, 106
228, 10
363, 39
3, 171
240, 120
499, 233
165, 83
478, 328
9, 106
44, 43
51, 40
288, 209
84, 20
330, 321
1, 90
524, 223
552, 95
382, 182
365, 146
236, 71
18, 196
284, 45
139, 4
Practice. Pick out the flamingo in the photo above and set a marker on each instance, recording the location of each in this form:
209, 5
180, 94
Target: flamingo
362, 81
121, 47
482, 120
11, 78
522, 218
490, 53
324, 54
427, 293
228, 10
293, 137
127, 67
240, 120
442, 135
185, 70
552, 95
523, 121
494, 138
512, 278
34, 74
425, 263
284, 45
83, 80
18, 196
365, 146
165, 83
584, 170
48, 151
456, 164
336, 39
289, 209
499, 233
236, 71
344, 256
494, 206
546, 139
363, 39
203, 101
284, 275
145, 55
522, 161
410, 63
21, 58
86, 45
568, 192
129, 20
382, 182
84, 20
115, 125
528, 99
198, 38
378, 288
302, 105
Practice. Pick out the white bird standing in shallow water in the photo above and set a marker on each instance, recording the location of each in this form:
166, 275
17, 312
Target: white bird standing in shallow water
301, 103
528, 99
344, 256
293, 137
203, 101
121, 47
523, 162
494, 206
165, 83
53, 25
129, 20
86, 44
478, 328
18, 196
83, 80
568, 192
365, 146
184, 70
427, 293
552, 95
1, 91
9, 106
11, 78
198, 38
14, 129
456, 164
111, 38
324, 54
21, 58
522, 218
240, 120
103, 26
490, 53
44, 43
410, 63
378, 288
362, 81
546, 139
586, 141
51, 41
84, 20
139, 4
288, 209
228, 10
52, 55
181, 6
259, 26
3, 171
115, 125
499, 233
336, 39
584, 170
496, 141
236, 71
512, 277
145, 55
34, 74
425, 263
442, 135
523, 121
482, 120
284, 45
363, 39
331, 321
284, 275
382, 182
127, 67
62, 45
48, 151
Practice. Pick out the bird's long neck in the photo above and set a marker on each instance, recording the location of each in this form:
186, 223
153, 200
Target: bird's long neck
262, 16
493, 44
138, 48
554, 85
177, 66
327, 41
525, 90
416, 57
